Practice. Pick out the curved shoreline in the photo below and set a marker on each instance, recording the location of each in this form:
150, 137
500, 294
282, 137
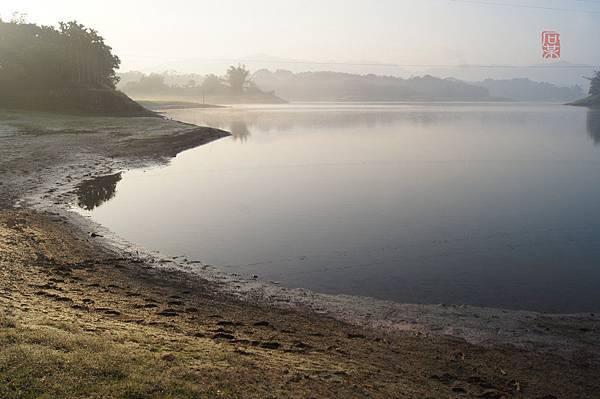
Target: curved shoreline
562, 334
39, 176
557, 333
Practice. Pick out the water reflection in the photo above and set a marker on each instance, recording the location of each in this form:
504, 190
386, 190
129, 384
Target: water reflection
483, 205
94, 192
239, 130
242, 122
593, 125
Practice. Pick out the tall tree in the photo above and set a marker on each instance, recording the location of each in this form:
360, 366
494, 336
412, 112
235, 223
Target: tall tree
92, 60
237, 77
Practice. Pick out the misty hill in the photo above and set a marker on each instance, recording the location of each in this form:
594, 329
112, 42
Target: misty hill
528, 90
560, 73
335, 86
270, 87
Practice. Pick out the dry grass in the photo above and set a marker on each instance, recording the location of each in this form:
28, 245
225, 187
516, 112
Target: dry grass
44, 361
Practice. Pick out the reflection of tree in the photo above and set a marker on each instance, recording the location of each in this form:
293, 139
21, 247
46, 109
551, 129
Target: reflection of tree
93, 193
239, 130
316, 119
593, 125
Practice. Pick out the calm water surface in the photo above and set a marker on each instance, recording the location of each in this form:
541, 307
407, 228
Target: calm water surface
487, 204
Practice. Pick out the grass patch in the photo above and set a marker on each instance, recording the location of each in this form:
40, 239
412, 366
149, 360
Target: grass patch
47, 362
157, 105
33, 122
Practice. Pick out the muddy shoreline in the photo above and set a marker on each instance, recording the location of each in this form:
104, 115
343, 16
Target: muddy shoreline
359, 346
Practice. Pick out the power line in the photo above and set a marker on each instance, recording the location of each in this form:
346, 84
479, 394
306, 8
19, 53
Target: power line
375, 64
396, 65
492, 66
515, 5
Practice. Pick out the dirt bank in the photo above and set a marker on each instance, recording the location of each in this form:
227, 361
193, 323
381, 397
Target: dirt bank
78, 101
83, 315
43, 156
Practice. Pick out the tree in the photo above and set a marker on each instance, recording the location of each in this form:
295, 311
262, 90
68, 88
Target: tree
237, 77
18, 17
595, 85
149, 84
211, 84
43, 57
92, 60
30, 55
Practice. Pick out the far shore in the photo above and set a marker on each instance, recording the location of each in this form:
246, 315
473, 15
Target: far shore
592, 101
71, 289
162, 105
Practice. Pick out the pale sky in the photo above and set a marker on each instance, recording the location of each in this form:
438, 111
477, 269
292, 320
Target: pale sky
158, 34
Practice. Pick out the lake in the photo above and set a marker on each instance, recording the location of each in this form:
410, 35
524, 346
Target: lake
482, 204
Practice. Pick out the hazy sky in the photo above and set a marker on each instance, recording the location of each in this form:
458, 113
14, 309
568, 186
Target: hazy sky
154, 34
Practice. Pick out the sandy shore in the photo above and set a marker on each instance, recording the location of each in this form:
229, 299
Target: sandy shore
199, 331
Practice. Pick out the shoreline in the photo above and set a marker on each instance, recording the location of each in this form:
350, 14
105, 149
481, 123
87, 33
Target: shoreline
557, 333
46, 185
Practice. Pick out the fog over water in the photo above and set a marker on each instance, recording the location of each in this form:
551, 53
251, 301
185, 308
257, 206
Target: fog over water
205, 37
483, 204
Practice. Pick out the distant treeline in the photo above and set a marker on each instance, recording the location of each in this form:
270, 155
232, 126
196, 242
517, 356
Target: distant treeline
236, 81
528, 90
47, 57
334, 86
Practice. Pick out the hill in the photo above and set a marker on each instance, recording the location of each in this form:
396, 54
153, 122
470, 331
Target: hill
524, 89
335, 86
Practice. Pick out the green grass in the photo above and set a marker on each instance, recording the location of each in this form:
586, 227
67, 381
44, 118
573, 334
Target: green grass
13, 122
164, 105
